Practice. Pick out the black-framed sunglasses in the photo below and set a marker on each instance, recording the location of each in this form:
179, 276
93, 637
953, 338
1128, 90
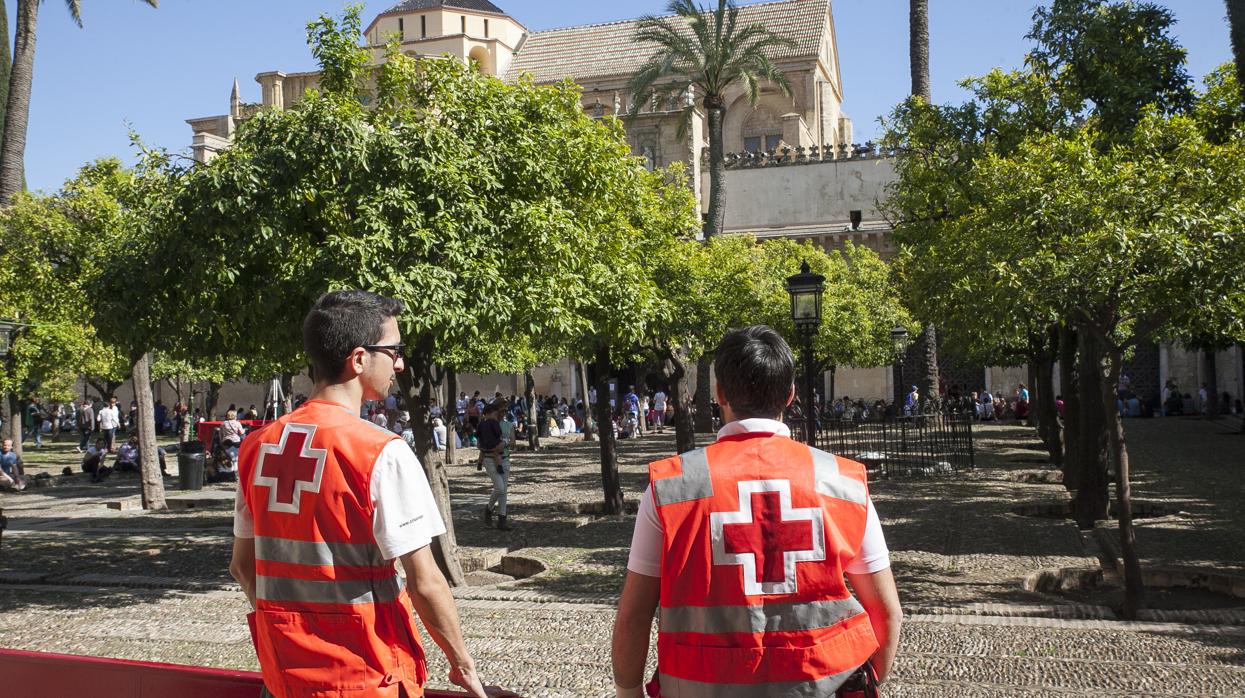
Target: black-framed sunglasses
397, 349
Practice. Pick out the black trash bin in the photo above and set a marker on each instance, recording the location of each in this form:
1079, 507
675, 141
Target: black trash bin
191, 460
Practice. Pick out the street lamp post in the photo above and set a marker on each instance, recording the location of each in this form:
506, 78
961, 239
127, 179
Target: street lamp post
899, 343
805, 289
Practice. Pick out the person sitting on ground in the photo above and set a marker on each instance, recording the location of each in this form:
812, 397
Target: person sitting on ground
439, 434
12, 470
93, 461
127, 456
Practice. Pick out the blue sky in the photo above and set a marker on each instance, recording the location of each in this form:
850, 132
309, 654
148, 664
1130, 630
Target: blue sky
153, 69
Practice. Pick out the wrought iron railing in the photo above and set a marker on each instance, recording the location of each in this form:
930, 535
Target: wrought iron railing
923, 445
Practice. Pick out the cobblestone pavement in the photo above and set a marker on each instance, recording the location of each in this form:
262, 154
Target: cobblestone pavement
561, 649
77, 576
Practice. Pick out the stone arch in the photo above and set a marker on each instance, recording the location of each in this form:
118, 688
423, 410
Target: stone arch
743, 121
483, 59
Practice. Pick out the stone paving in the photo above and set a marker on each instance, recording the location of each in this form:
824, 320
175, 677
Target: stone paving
79, 577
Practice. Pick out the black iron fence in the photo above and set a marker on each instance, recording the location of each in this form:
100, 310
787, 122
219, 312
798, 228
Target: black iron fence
923, 445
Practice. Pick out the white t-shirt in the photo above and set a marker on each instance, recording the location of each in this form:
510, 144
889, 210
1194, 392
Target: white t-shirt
405, 517
647, 539
659, 401
110, 418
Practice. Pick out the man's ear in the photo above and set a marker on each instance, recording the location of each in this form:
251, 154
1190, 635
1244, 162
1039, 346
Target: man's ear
354, 364
719, 395
790, 395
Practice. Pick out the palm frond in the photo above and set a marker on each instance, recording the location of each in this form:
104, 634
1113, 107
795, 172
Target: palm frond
75, 11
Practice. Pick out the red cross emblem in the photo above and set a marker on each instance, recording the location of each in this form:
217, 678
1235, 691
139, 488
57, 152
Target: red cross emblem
767, 537
290, 467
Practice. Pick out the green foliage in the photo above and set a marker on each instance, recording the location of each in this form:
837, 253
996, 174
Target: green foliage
1111, 59
500, 214
736, 281
1221, 108
334, 44
55, 248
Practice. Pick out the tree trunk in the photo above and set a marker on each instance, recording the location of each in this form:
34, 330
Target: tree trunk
13, 421
589, 420
149, 460
1044, 389
1092, 494
210, 399
1071, 406
106, 388
676, 378
17, 108
6, 63
415, 399
715, 219
451, 417
1240, 348
928, 384
918, 47
1236, 27
1032, 419
610, 481
1211, 373
533, 414
1123, 490
703, 418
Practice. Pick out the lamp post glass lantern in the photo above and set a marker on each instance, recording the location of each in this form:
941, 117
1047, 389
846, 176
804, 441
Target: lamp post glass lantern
7, 330
806, 289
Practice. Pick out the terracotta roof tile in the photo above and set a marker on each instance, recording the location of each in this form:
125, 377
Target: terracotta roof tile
604, 50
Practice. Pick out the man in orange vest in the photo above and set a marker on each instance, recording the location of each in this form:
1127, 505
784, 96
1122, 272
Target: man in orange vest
326, 503
744, 544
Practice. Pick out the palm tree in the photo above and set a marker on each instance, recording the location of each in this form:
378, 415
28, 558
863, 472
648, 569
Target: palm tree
918, 47
1236, 25
918, 54
706, 52
17, 104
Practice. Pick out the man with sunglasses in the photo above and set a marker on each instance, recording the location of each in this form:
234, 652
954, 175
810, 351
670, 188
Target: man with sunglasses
327, 502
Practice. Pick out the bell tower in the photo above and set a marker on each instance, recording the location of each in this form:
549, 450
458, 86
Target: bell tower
470, 30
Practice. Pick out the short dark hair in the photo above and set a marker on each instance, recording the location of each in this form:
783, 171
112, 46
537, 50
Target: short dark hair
755, 370
341, 321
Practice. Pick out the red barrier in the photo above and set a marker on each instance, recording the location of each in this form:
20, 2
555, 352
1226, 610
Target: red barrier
46, 675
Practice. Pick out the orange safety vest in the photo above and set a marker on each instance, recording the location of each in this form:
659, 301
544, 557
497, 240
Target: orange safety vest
757, 529
332, 617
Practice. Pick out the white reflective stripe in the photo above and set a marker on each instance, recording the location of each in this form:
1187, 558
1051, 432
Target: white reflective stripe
321, 553
819, 688
692, 483
833, 484
339, 591
762, 618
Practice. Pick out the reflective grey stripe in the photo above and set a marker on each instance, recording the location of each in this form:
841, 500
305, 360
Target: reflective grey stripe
772, 617
307, 552
833, 484
672, 687
693, 483
341, 591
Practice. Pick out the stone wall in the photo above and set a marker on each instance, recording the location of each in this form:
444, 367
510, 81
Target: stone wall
818, 193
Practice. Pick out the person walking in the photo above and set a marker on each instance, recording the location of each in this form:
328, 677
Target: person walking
744, 545
34, 422
492, 442
110, 422
86, 425
326, 504
659, 410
